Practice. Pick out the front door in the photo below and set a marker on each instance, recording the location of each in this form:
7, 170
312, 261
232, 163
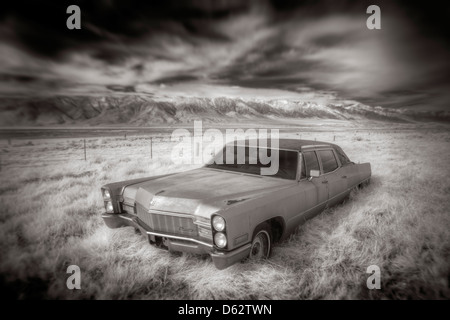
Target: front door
317, 187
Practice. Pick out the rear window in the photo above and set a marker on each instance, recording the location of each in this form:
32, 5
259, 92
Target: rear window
311, 162
329, 162
342, 156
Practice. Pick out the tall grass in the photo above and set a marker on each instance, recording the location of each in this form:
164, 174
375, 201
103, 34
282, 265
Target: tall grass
50, 219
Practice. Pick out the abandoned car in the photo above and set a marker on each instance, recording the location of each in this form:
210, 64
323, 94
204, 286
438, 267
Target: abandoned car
231, 211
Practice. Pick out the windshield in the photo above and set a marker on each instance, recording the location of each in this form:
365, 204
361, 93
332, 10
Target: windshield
246, 159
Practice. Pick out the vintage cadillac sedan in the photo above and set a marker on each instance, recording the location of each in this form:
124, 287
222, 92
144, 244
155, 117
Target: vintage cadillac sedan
231, 211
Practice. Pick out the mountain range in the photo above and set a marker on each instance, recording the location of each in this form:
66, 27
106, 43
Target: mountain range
143, 110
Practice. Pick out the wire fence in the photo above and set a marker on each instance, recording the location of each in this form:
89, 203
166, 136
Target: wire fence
45, 152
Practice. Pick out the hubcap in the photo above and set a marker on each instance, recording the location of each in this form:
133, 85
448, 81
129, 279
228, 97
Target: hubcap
260, 247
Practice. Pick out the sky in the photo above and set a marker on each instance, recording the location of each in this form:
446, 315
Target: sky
261, 49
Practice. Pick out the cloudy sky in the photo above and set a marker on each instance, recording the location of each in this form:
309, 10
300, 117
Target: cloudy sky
260, 48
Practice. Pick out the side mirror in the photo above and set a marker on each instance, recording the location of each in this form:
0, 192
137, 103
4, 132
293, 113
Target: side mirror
313, 174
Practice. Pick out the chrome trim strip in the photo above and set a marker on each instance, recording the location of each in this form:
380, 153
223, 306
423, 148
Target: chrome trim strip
179, 238
317, 146
169, 213
346, 190
318, 205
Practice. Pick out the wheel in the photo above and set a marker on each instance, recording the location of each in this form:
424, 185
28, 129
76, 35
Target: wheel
261, 243
363, 184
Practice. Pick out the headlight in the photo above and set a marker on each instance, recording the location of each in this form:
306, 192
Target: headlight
109, 207
220, 240
106, 194
218, 223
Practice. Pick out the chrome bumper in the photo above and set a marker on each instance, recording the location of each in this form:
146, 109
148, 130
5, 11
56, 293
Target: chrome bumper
221, 259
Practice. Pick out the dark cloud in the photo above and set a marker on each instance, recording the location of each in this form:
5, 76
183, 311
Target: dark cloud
175, 79
40, 25
119, 88
21, 78
283, 44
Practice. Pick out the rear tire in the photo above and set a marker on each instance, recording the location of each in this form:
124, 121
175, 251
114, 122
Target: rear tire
363, 184
261, 243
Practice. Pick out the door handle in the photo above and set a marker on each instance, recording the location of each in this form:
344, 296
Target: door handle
325, 181
344, 177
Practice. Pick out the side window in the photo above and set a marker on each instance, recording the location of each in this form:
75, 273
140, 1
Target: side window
328, 159
311, 162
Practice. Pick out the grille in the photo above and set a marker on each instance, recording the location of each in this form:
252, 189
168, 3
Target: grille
167, 223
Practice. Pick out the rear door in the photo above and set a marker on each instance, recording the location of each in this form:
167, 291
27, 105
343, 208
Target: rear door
334, 175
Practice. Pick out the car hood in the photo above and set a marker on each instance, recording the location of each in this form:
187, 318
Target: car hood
201, 191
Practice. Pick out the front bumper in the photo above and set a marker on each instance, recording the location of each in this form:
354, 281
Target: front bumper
221, 259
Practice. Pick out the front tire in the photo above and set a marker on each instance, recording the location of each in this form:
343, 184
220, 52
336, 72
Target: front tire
261, 243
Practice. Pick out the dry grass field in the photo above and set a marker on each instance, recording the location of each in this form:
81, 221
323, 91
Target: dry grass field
51, 207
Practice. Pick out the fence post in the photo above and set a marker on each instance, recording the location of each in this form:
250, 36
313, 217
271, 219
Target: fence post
84, 140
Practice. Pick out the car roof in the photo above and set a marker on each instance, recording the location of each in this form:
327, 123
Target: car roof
293, 144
